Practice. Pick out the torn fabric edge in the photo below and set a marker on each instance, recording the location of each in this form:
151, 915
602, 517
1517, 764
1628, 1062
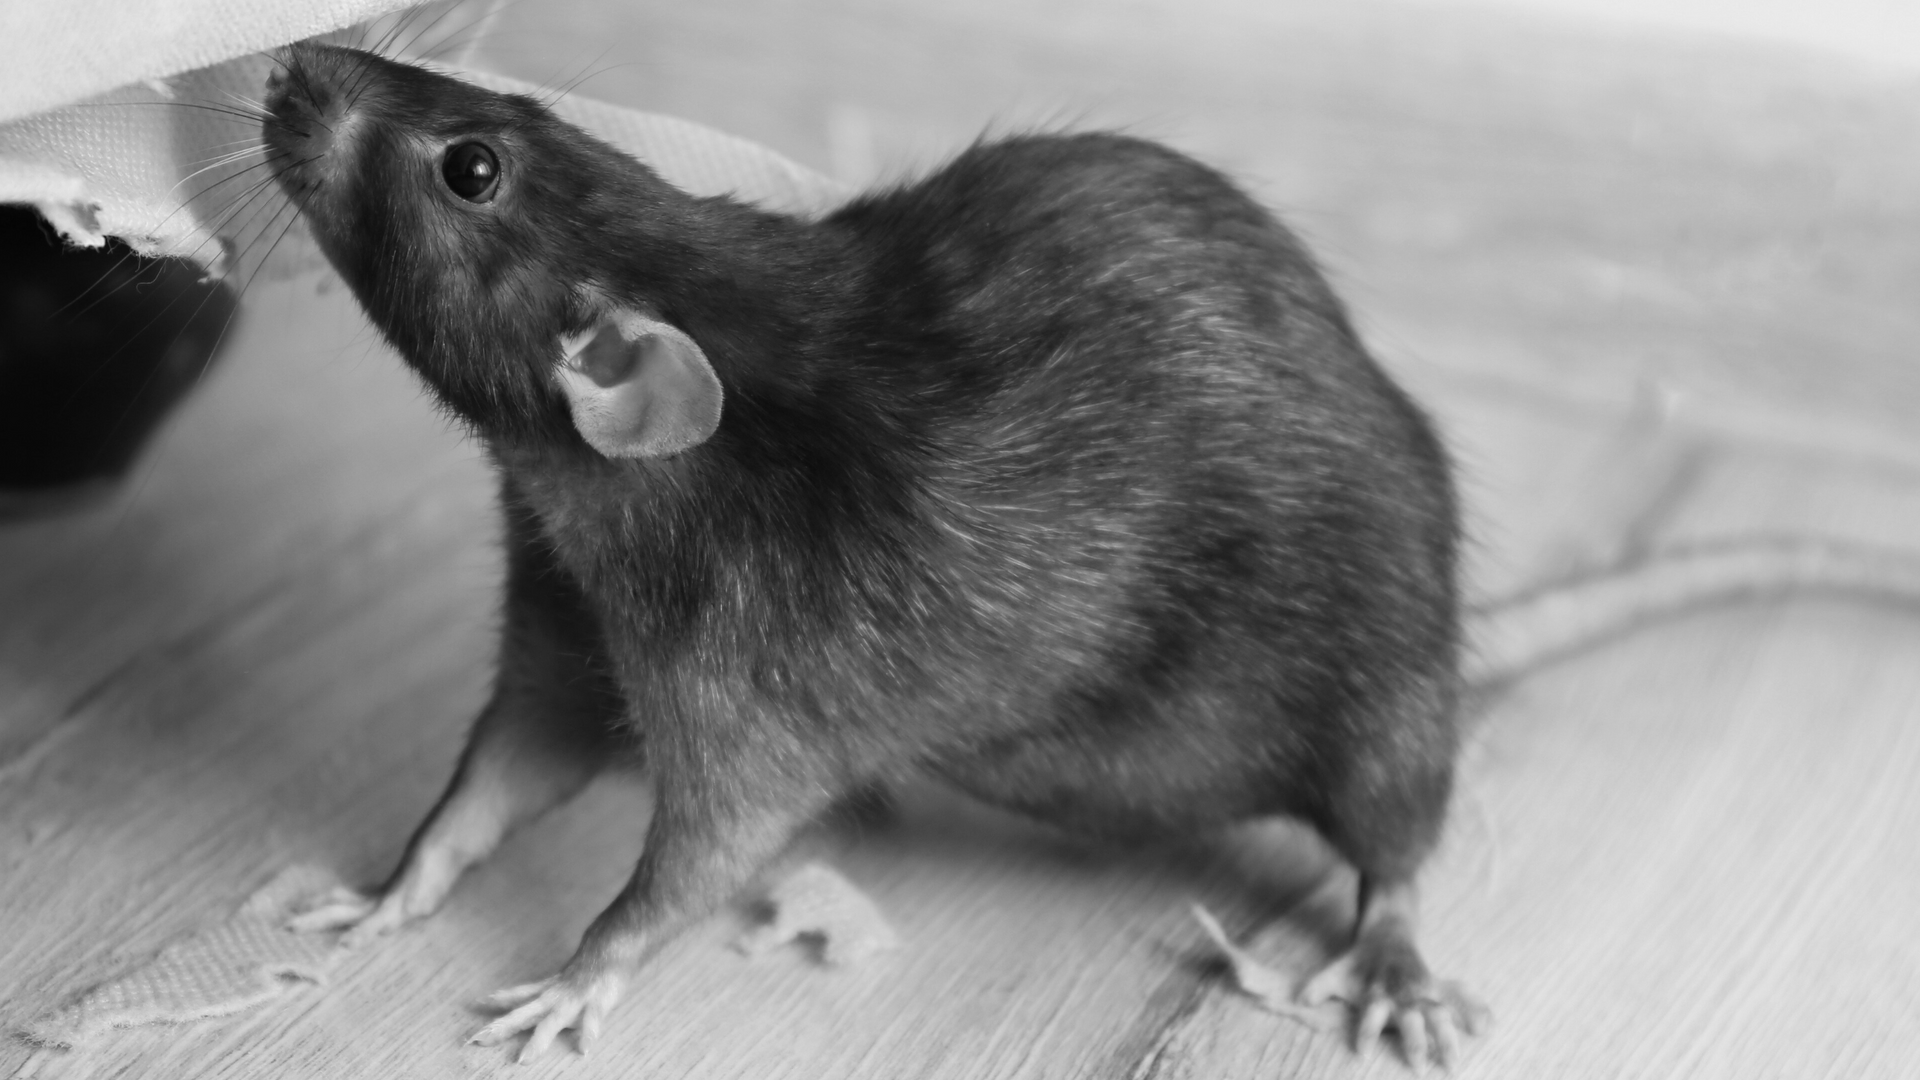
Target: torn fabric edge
162, 166
237, 965
55, 52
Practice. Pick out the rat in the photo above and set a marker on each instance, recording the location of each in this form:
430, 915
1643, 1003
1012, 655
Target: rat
1060, 475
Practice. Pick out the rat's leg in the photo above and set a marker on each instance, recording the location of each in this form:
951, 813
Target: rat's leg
543, 735
1385, 818
698, 855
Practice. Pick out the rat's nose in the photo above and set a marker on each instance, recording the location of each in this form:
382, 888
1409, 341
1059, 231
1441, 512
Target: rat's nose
280, 83
299, 73
302, 79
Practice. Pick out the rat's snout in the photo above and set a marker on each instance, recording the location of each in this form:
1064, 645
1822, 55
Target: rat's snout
301, 94
310, 113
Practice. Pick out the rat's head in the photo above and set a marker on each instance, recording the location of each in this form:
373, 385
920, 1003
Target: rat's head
495, 246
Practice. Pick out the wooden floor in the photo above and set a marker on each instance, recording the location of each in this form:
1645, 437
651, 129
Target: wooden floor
1655, 284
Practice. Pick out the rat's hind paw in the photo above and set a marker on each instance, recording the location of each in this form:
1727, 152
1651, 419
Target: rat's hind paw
1388, 986
363, 917
815, 902
549, 1007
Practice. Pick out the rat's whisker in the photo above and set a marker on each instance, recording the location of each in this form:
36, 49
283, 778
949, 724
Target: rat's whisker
474, 32
223, 110
222, 160
446, 10
181, 207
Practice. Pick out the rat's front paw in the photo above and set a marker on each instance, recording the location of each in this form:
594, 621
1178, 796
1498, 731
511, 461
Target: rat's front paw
1387, 984
549, 1007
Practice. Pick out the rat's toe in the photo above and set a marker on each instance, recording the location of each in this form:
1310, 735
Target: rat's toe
337, 909
361, 916
1446, 1036
513, 1023
549, 1007
1372, 1023
1431, 1030
591, 1021
386, 917
1414, 1043
515, 996
549, 1026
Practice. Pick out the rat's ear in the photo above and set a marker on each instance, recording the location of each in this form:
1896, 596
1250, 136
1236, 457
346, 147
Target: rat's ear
639, 388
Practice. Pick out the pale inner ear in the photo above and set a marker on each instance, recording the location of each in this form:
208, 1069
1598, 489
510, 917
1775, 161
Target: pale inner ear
638, 387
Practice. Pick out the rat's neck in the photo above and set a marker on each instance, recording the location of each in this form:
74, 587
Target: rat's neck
816, 349
766, 295
801, 333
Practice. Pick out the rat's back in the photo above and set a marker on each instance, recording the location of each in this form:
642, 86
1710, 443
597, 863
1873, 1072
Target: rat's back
1154, 392
1079, 293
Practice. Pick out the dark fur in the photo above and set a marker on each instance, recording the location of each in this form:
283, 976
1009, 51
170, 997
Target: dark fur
1060, 473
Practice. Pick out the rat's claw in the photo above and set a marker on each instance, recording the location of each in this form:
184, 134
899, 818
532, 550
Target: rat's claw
547, 1008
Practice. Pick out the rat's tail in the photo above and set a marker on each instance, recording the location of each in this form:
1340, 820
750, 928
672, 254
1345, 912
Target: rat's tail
1509, 638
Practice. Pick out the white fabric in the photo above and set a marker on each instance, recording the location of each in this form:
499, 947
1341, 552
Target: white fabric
131, 162
230, 967
53, 52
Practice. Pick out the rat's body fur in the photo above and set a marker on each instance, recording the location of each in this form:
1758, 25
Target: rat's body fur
1060, 473
1011, 518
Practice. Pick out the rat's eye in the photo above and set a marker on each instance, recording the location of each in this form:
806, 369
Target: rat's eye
472, 171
